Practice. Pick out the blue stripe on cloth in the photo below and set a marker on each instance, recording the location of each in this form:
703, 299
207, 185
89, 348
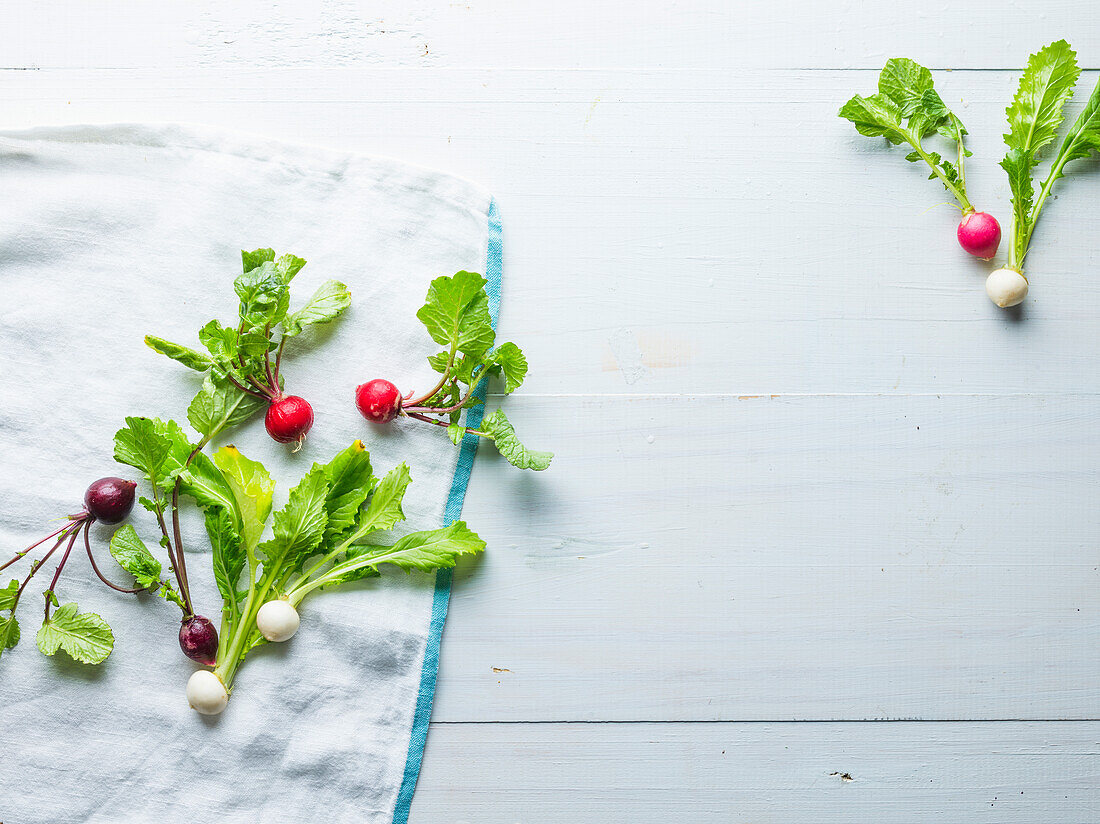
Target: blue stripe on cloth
494, 267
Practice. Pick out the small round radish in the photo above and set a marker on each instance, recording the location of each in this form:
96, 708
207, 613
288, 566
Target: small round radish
277, 620
289, 419
206, 693
110, 499
980, 234
199, 640
378, 400
1006, 287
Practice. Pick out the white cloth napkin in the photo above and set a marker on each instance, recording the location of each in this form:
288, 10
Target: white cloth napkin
109, 233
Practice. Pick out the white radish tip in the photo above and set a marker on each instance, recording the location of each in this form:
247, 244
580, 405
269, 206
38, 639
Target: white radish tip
206, 693
277, 620
1006, 287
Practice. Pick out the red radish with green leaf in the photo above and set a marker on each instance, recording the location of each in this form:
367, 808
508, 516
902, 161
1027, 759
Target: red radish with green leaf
247, 359
907, 109
456, 315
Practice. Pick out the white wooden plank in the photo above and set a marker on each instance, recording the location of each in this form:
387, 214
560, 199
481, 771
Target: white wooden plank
820, 557
510, 33
668, 247
790, 773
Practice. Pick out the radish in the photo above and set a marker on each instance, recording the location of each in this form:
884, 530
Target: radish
277, 620
84, 636
243, 362
378, 400
907, 109
199, 640
456, 315
332, 531
1034, 118
206, 693
1006, 287
110, 499
979, 234
288, 420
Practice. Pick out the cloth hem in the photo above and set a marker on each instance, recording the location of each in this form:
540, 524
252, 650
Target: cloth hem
441, 598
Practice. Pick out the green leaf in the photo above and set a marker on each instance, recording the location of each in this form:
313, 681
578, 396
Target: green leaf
83, 635
1018, 163
229, 556
220, 405
384, 509
9, 633
456, 432
204, 482
511, 362
256, 258
133, 556
1084, 137
264, 296
252, 489
457, 313
288, 266
439, 362
499, 429
424, 551
220, 341
188, 357
141, 446
327, 303
299, 526
876, 116
225, 343
350, 480
1047, 83
904, 82
7, 595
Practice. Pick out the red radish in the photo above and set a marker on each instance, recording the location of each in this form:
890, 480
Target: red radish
289, 419
979, 234
378, 400
110, 499
199, 640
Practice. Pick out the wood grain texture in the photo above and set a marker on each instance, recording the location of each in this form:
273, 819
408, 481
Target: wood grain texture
505, 33
788, 557
759, 773
805, 469
671, 246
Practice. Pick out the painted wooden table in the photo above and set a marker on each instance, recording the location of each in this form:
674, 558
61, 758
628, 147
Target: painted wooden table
820, 542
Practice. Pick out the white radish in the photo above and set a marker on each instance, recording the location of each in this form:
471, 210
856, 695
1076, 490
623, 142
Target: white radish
206, 693
277, 620
1006, 287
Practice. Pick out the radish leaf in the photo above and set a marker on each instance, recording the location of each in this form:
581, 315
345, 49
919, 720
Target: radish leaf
252, 488
299, 526
908, 109
8, 595
350, 480
130, 552
456, 313
499, 429
83, 635
188, 357
220, 405
228, 558
1036, 111
1034, 117
9, 632
327, 303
